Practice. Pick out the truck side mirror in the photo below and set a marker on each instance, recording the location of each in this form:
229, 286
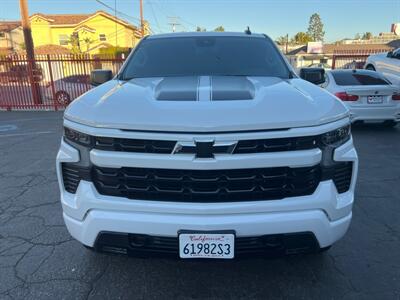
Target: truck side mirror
313, 75
98, 77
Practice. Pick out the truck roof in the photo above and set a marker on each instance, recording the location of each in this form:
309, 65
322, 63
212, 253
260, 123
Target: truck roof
207, 33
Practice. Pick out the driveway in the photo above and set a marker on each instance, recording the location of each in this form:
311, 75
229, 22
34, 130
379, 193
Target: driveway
39, 259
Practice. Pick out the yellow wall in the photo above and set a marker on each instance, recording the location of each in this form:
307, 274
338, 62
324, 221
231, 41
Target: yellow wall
41, 33
116, 34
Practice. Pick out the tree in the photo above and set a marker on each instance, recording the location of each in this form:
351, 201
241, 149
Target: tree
219, 28
357, 36
199, 29
88, 41
282, 40
74, 41
301, 38
367, 36
316, 28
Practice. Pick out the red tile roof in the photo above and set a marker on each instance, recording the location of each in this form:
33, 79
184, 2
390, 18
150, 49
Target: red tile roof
49, 49
5, 51
355, 48
9, 25
73, 19
64, 19
346, 49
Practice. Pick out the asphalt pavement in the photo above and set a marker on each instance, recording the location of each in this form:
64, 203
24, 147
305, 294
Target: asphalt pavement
40, 260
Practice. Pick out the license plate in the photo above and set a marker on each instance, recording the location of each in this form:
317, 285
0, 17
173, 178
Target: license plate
207, 245
375, 99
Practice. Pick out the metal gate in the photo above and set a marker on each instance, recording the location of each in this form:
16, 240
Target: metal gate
50, 82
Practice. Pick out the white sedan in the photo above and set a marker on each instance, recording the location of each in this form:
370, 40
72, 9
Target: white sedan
387, 63
68, 88
368, 95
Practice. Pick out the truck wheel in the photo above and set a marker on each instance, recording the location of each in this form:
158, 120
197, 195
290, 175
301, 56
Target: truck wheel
390, 123
370, 67
322, 250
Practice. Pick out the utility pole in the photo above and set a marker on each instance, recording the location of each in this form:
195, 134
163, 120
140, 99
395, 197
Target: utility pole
287, 42
141, 18
26, 27
173, 21
30, 53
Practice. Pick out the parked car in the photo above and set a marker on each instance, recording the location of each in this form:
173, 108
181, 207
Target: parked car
20, 73
386, 63
368, 95
197, 151
68, 88
320, 65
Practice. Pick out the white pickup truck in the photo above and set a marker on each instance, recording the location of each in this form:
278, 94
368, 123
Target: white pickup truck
207, 145
386, 63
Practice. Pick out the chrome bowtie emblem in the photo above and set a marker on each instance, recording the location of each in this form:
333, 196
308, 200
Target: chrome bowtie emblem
204, 148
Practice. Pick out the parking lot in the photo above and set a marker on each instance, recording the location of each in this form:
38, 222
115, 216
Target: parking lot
38, 258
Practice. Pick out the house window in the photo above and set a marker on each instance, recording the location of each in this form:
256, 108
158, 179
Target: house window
63, 39
102, 37
2, 35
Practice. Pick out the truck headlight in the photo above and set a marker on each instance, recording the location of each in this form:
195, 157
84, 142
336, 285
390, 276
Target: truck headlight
76, 137
336, 137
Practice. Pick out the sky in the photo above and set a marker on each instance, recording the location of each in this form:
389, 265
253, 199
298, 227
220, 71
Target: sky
341, 18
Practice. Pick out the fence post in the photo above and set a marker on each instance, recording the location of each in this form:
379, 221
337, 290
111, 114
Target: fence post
53, 90
333, 61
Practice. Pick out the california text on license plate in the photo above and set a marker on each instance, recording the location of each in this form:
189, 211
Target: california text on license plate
207, 245
375, 99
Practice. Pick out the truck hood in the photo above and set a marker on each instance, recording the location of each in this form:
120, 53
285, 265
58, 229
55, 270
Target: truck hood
205, 104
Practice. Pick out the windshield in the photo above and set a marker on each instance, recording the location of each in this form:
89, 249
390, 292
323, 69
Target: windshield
208, 56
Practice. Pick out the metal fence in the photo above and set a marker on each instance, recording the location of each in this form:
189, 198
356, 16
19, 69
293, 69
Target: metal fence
50, 82
352, 59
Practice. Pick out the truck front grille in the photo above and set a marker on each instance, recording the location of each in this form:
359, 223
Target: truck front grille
134, 145
206, 185
242, 147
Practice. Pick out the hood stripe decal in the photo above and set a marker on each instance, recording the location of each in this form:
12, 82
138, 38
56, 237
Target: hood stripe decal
204, 88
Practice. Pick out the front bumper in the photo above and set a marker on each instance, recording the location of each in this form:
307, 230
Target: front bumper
326, 214
258, 220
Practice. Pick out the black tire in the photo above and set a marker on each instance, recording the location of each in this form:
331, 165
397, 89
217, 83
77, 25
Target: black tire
89, 248
63, 98
390, 123
370, 67
325, 249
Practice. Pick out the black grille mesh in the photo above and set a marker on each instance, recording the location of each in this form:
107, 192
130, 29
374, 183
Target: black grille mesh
134, 145
206, 185
243, 146
71, 177
145, 245
276, 145
342, 176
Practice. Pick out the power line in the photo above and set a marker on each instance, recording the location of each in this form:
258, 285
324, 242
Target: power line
155, 17
118, 12
169, 12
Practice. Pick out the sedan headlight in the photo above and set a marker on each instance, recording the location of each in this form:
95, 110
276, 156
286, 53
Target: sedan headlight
77, 137
336, 137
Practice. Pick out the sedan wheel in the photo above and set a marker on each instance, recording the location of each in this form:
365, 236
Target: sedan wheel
63, 98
